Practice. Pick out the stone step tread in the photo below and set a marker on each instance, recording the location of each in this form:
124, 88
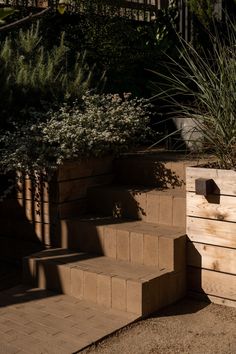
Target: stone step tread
99, 264
135, 190
53, 322
137, 226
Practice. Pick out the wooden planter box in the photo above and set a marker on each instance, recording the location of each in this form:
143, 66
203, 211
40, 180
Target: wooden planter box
32, 216
211, 229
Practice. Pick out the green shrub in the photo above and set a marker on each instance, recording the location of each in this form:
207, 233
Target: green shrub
203, 9
124, 49
99, 125
33, 76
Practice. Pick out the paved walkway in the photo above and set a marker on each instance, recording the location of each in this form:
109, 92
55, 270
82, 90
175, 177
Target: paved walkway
42, 322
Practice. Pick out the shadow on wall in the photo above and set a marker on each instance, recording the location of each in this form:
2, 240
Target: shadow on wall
194, 273
34, 219
196, 299
117, 201
30, 216
20, 233
142, 171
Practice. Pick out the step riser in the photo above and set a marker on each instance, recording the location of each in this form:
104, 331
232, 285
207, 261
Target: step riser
123, 244
151, 172
156, 208
141, 298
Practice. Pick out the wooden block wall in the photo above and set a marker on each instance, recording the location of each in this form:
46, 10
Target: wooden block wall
33, 212
211, 230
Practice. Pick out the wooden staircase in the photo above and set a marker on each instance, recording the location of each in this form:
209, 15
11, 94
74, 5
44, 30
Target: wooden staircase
128, 253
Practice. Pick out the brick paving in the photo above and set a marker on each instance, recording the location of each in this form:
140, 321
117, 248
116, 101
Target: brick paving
34, 320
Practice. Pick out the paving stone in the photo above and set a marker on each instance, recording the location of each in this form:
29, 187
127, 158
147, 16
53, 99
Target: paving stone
90, 286
77, 283
110, 242
136, 247
134, 297
179, 211
104, 290
123, 245
8, 349
166, 209
166, 253
150, 250
26, 329
153, 206
118, 293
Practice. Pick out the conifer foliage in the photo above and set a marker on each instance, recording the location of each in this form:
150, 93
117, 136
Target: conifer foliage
33, 76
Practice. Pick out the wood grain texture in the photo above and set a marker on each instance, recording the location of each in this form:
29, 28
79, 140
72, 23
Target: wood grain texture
225, 180
213, 232
210, 257
211, 228
212, 283
213, 207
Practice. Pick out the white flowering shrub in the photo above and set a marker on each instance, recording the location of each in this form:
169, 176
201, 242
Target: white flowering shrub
95, 126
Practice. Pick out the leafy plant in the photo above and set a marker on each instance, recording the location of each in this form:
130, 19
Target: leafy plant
98, 125
121, 48
203, 9
33, 76
203, 89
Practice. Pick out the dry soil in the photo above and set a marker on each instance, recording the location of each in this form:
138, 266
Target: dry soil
189, 327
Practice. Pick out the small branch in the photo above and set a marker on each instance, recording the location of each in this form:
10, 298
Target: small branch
24, 19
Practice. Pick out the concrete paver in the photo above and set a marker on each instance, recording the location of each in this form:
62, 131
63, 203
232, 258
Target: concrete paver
34, 320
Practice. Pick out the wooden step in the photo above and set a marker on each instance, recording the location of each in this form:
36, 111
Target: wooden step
166, 207
128, 240
160, 169
114, 284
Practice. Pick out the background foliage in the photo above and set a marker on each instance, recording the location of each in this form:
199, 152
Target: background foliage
206, 83
120, 47
35, 77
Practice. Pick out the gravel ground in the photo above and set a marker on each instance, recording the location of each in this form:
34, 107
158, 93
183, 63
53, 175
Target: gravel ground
189, 327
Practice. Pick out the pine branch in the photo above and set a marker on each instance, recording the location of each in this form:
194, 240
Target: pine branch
24, 19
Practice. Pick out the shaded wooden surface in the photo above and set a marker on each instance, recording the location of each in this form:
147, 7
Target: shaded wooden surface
224, 179
211, 257
212, 283
34, 212
217, 207
211, 229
